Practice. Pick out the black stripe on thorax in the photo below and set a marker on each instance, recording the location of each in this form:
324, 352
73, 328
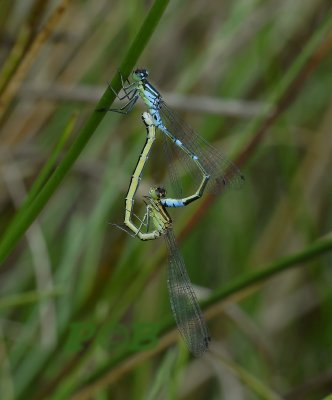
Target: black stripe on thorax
164, 212
147, 86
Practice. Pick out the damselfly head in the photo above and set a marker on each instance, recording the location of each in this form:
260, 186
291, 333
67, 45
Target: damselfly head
140, 74
157, 193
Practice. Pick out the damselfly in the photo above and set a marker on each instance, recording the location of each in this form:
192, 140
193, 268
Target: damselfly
184, 304
210, 162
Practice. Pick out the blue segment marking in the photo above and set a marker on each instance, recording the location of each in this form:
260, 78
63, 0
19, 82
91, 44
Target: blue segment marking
172, 203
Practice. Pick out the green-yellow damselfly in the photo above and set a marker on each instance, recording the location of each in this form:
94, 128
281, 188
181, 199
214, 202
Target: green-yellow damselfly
184, 304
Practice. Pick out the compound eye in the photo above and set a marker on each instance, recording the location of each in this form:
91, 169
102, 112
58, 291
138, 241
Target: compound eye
162, 191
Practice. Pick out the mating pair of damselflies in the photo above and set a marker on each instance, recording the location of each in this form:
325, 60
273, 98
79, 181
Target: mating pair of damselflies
217, 173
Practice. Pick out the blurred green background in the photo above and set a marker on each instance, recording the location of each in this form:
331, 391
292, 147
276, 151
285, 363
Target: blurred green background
252, 77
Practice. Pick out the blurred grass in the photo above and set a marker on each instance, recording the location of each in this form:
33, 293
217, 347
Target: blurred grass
17, 229
73, 267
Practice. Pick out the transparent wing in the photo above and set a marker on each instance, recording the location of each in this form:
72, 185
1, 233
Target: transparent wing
184, 304
179, 167
171, 169
223, 173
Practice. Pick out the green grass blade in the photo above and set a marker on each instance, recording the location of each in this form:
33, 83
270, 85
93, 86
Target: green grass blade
46, 170
33, 296
50, 163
